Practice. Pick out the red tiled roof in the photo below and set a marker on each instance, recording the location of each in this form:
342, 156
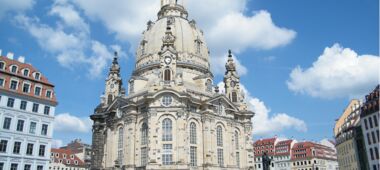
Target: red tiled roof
19, 75
70, 156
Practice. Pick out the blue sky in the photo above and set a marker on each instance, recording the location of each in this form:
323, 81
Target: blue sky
301, 61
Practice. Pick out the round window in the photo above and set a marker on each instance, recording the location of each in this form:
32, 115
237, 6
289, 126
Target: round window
167, 100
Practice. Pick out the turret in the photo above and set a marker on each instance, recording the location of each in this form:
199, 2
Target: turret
113, 82
232, 81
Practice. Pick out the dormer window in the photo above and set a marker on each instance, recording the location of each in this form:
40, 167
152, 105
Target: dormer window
48, 94
26, 72
68, 161
72, 156
2, 65
14, 69
76, 162
37, 76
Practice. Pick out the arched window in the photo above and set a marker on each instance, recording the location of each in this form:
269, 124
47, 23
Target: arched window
208, 85
234, 97
109, 100
144, 134
144, 142
237, 140
219, 136
26, 72
237, 148
193, 133
167, 75
193, 146
167, 130
120, 145
13, 69
219, 143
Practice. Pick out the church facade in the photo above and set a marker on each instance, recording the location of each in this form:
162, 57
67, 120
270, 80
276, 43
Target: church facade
173, 117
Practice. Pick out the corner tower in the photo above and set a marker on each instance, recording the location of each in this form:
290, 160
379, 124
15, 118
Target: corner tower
114, 83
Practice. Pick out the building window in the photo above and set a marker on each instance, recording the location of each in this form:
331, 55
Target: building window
32, 128
371, 151
25, 88
23, 105
37, 91
44, 129
236, 140
237, 159
370, 122
1, 163
46, 110
27, 167
40, 167
167, 100
3, 145
14, 166
208, 85
29, 149
10, 102
193, 133
2, 65
193, 156
41, 151
120, 145
234, 97
167, 75
219, 136
26, 72
13, 85
37, 76
14, 69
366, 124
220, 157
167, 157
376, 120
16, 147
167, 130
144, 134
368, 139
1, 82
144, 156
373, 137
20, 125
48, 94
7, 123
35, 107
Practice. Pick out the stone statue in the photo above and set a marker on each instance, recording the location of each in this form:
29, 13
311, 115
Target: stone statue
266, 161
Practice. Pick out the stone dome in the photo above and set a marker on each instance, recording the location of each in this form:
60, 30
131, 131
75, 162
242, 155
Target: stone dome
189, 44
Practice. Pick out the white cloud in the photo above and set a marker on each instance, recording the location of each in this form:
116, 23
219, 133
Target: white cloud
338, 72
14, 5
265, 124
66, 122
70, 39
224, 22
56, 143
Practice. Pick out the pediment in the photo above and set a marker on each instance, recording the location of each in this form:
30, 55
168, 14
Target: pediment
117, 103
223, 100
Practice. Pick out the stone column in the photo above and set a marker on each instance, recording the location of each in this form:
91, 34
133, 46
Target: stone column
129, 154
97, 145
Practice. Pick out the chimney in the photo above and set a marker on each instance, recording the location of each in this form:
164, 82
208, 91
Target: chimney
10, 55
21, 59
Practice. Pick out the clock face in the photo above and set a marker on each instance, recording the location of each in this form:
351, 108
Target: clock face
168, 60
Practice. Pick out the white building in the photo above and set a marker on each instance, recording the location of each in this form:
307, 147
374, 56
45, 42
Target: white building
27, 104
370, 126
282, 157
172, 117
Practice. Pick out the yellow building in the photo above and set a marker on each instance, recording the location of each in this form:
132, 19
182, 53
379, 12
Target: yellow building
345, 135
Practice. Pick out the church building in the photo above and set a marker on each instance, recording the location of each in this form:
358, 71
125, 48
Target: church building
172, 116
